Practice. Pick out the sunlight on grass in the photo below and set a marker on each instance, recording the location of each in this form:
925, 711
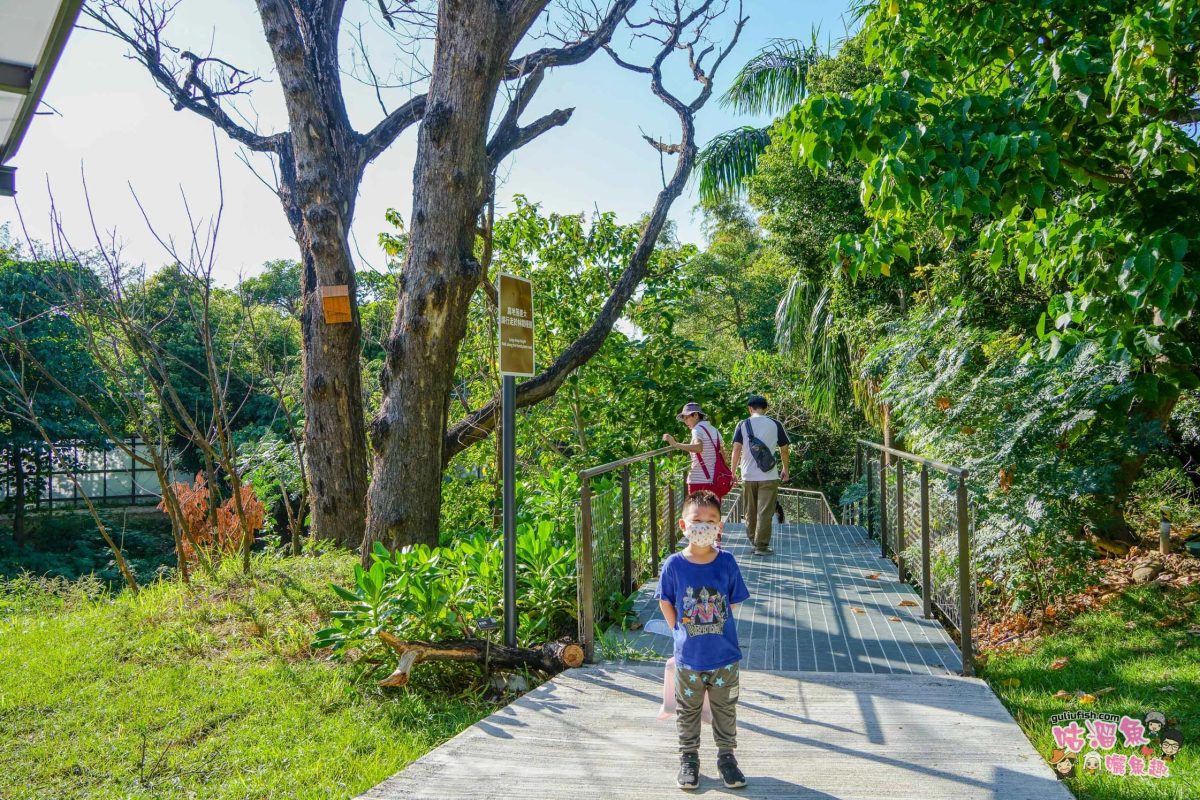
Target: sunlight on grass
1148, 668
208, 692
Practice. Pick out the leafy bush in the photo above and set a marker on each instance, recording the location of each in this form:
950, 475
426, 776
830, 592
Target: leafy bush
229, 535
440, 593
69, 546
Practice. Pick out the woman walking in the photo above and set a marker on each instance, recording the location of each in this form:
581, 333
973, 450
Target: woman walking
710, 468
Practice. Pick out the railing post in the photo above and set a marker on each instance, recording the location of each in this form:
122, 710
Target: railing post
870, 501
671, 526
926, 572
653, 520
627, 543
900, 518
964, 577
856, 508
583, 561
883, 519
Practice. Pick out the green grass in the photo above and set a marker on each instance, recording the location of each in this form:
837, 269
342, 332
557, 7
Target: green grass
1137, 663
207, 692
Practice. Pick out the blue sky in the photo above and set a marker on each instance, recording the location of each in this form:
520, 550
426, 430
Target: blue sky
115, 128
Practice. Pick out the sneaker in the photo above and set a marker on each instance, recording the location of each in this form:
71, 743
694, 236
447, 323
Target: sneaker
689, 771
731, 776
763, 551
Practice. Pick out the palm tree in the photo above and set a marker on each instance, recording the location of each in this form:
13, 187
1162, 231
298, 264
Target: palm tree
772, 82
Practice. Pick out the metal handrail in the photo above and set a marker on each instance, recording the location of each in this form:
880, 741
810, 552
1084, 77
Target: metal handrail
911, 457
874, 505
585, 531
592, 472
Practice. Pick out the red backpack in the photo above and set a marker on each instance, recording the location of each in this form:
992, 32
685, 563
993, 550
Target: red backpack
722, 480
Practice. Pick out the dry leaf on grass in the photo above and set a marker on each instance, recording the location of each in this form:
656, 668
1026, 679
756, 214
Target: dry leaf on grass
1104, 691
1062, 694
1060, 662
1167, 688
1131, 626
1087, 699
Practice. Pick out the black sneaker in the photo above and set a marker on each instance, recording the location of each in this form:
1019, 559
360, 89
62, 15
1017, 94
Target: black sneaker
731, 776
689, 771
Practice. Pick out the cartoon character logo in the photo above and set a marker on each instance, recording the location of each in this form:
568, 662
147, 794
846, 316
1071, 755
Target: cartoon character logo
1172, 741
1155, 722
689, 605
706, 611
1063, 762
1091, 762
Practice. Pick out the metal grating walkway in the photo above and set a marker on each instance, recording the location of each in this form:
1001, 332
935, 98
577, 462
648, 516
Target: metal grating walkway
813, 609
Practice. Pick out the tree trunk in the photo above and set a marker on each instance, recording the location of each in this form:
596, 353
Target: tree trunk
1107, 516
19, 498
551, 657
320, 168
440, 273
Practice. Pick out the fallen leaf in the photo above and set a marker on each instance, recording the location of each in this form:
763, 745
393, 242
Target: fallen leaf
1194, 630
1167, 688
1167, 622
1050, 612
908, 603
1063, 694
872, 576
1131, 626
857, 610
1087, 699
894, 619
1104, 691
1060, 662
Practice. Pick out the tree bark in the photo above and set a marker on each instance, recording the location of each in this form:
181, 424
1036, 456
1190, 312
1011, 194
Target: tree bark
552, 657
320, 166
440, 273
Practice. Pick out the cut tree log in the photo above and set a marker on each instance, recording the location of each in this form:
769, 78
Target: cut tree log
552, 657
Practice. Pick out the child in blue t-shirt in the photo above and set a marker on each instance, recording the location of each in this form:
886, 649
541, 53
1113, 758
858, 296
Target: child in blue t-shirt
699, 589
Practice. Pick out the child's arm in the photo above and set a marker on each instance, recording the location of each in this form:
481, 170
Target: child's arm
668, 612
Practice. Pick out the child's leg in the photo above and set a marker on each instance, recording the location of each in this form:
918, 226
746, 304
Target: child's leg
689, 701
723, 689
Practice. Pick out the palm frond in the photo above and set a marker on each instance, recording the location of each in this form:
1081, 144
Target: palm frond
728, 160
805, 326
774, 80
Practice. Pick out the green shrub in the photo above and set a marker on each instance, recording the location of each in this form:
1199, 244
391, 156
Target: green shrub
440, 593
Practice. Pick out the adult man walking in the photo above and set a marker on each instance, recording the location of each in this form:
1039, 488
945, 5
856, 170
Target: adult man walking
760, 450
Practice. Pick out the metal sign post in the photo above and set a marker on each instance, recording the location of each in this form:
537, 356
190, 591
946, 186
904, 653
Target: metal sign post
515, 296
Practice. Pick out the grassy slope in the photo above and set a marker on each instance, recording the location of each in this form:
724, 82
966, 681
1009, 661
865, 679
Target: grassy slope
1103, 652
209, 692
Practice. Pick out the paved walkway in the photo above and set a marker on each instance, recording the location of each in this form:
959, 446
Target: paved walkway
834, 704
813, 608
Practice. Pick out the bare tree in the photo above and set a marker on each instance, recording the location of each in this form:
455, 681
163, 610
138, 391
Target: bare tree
319, 162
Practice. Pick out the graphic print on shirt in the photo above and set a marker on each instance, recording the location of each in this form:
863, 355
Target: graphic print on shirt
704, 612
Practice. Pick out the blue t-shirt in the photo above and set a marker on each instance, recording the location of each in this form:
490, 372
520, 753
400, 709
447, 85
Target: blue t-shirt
705, 631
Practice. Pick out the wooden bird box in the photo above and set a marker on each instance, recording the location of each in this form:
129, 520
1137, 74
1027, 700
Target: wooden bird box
335, 303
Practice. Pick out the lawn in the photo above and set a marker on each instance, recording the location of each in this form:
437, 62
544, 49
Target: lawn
1134, 655
207, 692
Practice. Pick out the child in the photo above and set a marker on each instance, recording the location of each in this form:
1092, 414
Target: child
706, 644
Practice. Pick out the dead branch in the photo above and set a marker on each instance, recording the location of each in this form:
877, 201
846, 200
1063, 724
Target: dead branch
550, 658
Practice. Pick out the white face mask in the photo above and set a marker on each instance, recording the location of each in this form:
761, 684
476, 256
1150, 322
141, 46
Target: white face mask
702, 534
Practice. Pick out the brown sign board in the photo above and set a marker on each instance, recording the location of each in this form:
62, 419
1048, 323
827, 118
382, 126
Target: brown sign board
335, 303
516, 325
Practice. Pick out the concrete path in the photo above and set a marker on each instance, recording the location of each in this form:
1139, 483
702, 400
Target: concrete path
846, 694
